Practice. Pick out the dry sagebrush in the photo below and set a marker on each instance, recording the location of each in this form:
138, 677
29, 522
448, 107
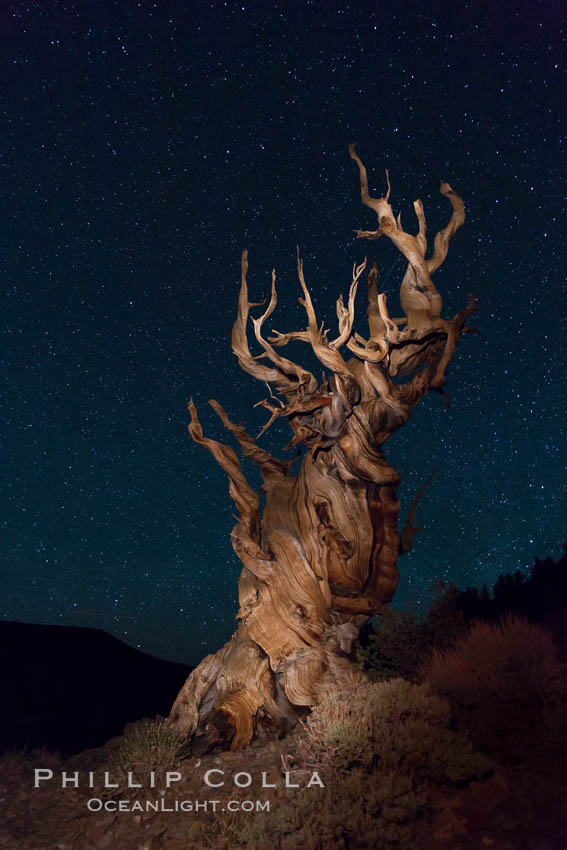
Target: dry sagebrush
500, 678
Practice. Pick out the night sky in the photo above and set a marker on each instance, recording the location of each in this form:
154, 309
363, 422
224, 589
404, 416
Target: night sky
144, 146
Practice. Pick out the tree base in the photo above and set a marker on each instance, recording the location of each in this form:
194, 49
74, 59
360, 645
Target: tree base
235, 695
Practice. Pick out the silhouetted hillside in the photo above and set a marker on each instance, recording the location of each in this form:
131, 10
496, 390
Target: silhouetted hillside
71, 688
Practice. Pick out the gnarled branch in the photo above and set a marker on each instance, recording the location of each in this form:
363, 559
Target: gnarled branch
420, 299
410, 530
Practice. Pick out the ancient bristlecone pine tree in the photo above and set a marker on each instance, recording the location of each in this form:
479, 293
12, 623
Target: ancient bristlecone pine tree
322, 558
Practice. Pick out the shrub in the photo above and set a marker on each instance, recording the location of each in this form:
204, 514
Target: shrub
221, 832
379, 810
150, 746
400, 642
499, 678
379, 750
397, 725
16, 766
396, 646
554, 733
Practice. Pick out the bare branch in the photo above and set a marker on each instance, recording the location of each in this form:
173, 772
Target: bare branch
410, 530
244, 497
306, 382
386, 389
420, 299
387, 198
455, 330
270, 466
284, 339
375, 323
308, 404
328, 356
372, 352
346, 315
240, 341
392, 333
443, 238
421, 236
380, 205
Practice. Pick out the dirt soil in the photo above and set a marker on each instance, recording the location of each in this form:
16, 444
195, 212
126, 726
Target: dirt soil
517, 808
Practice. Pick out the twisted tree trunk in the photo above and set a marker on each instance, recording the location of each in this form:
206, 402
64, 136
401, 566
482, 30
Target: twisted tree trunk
322, 558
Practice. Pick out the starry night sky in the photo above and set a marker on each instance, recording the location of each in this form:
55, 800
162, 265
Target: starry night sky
144, 146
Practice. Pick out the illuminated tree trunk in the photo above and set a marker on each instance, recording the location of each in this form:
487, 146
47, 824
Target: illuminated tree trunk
322, 558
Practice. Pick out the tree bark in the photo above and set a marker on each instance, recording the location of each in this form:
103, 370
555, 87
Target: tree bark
322, 558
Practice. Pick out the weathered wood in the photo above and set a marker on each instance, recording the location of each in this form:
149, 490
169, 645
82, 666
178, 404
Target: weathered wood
322, 558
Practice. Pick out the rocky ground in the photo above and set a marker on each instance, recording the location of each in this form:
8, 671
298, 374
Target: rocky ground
518, 808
